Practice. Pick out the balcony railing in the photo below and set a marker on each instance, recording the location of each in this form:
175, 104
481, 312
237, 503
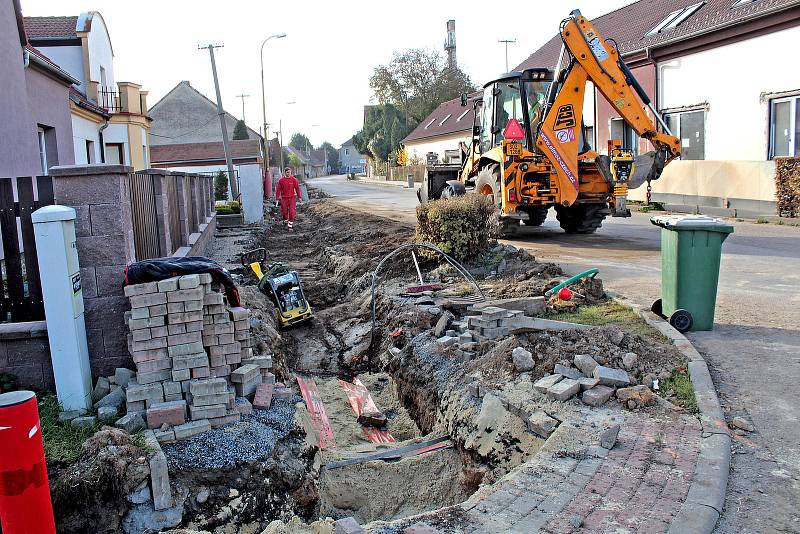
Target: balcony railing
108, 99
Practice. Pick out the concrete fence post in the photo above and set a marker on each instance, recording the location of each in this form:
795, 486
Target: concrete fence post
100, 195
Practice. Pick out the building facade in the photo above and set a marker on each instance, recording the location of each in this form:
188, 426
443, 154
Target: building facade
186, 134
35, 125
109, 118
350, 160
691, 58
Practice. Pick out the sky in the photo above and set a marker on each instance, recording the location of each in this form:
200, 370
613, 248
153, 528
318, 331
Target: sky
325, 61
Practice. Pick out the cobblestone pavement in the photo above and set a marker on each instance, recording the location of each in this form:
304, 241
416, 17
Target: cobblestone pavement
636, 487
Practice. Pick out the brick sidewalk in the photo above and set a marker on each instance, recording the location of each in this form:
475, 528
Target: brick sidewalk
636, 487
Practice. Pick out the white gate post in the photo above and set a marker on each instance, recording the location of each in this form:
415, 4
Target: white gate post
54, 228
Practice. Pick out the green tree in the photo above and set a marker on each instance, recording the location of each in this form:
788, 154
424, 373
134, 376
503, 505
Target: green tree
240, 131
333, 156
295, 163
221, 186
300, 142
416, 81
383, 130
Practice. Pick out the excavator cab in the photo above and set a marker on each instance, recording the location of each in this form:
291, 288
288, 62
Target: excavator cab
519, 97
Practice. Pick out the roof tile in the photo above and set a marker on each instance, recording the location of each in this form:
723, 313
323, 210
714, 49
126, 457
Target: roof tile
628, 26
435, 124
50, 27
240, 149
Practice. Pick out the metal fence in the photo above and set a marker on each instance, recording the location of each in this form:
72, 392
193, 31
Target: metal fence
144, 216
401, 173
173, 213
109, 100
20, 288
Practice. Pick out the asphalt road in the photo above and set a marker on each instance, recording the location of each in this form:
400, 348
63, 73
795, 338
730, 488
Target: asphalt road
753, 352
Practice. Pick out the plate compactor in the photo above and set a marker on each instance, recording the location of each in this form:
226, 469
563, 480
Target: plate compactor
281, 285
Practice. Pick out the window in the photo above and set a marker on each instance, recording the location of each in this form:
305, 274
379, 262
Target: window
346, 151
42, 149
676, 17
784, 127
103, 80
509, 106
486, 118
690, 128
462, 115
115, 154
738, 3
90, 152
445, 119
588, 136
429, 124
622, 130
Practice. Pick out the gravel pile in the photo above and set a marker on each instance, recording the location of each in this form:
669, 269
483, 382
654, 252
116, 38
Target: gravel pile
251, 439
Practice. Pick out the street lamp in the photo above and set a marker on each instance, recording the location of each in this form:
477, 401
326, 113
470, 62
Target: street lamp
264, 108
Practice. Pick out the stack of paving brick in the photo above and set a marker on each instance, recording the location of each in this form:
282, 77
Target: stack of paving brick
492, 323
226, 334
182, 338
210, 400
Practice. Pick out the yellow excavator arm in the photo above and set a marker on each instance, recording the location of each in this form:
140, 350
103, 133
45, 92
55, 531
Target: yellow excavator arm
586, 56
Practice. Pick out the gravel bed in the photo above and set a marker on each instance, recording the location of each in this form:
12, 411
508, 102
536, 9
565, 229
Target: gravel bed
251, 439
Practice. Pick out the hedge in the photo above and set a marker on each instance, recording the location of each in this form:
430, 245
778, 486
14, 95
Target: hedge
463, 226
787, 185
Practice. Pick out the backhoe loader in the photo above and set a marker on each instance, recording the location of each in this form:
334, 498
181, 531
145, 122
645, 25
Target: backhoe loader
528, 151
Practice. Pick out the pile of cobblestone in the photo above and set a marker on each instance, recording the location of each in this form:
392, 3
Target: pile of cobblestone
594, 383
492, 323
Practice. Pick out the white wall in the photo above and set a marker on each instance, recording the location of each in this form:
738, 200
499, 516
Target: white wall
118, 133
100, 53
421, 147
69, 58
83, 130
731, 79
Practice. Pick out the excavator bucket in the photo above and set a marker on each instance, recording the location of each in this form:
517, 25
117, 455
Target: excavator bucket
647, 167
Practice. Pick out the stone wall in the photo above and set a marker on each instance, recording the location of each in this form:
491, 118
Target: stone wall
25, 353
100, 195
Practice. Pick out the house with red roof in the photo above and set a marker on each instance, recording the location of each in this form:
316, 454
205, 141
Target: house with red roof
109, 117
439, 135
35, 124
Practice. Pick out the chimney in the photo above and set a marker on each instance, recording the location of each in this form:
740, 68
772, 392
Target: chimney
450, 44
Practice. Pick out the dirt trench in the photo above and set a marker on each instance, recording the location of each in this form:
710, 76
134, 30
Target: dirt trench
425, 390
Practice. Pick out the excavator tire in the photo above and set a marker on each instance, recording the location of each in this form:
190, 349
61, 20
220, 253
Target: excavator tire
537, 216
582, 218
487, 183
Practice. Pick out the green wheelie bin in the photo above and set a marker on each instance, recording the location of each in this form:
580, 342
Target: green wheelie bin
691, 247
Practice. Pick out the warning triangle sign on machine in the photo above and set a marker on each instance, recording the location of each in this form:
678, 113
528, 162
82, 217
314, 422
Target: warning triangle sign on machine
513, 131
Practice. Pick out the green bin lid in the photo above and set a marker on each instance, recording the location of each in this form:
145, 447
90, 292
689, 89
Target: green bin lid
692, 222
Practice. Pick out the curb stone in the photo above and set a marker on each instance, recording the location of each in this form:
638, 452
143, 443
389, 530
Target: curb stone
706, 498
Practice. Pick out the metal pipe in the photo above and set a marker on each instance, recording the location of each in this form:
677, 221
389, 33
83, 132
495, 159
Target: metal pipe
416, 264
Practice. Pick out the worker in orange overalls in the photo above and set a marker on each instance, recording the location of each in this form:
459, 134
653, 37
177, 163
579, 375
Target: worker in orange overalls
287, 192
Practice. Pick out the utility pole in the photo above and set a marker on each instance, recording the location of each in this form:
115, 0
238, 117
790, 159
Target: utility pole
233, 187
507, 42
280, 140
242, 97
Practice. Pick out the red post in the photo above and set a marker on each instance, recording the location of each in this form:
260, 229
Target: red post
25, 504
